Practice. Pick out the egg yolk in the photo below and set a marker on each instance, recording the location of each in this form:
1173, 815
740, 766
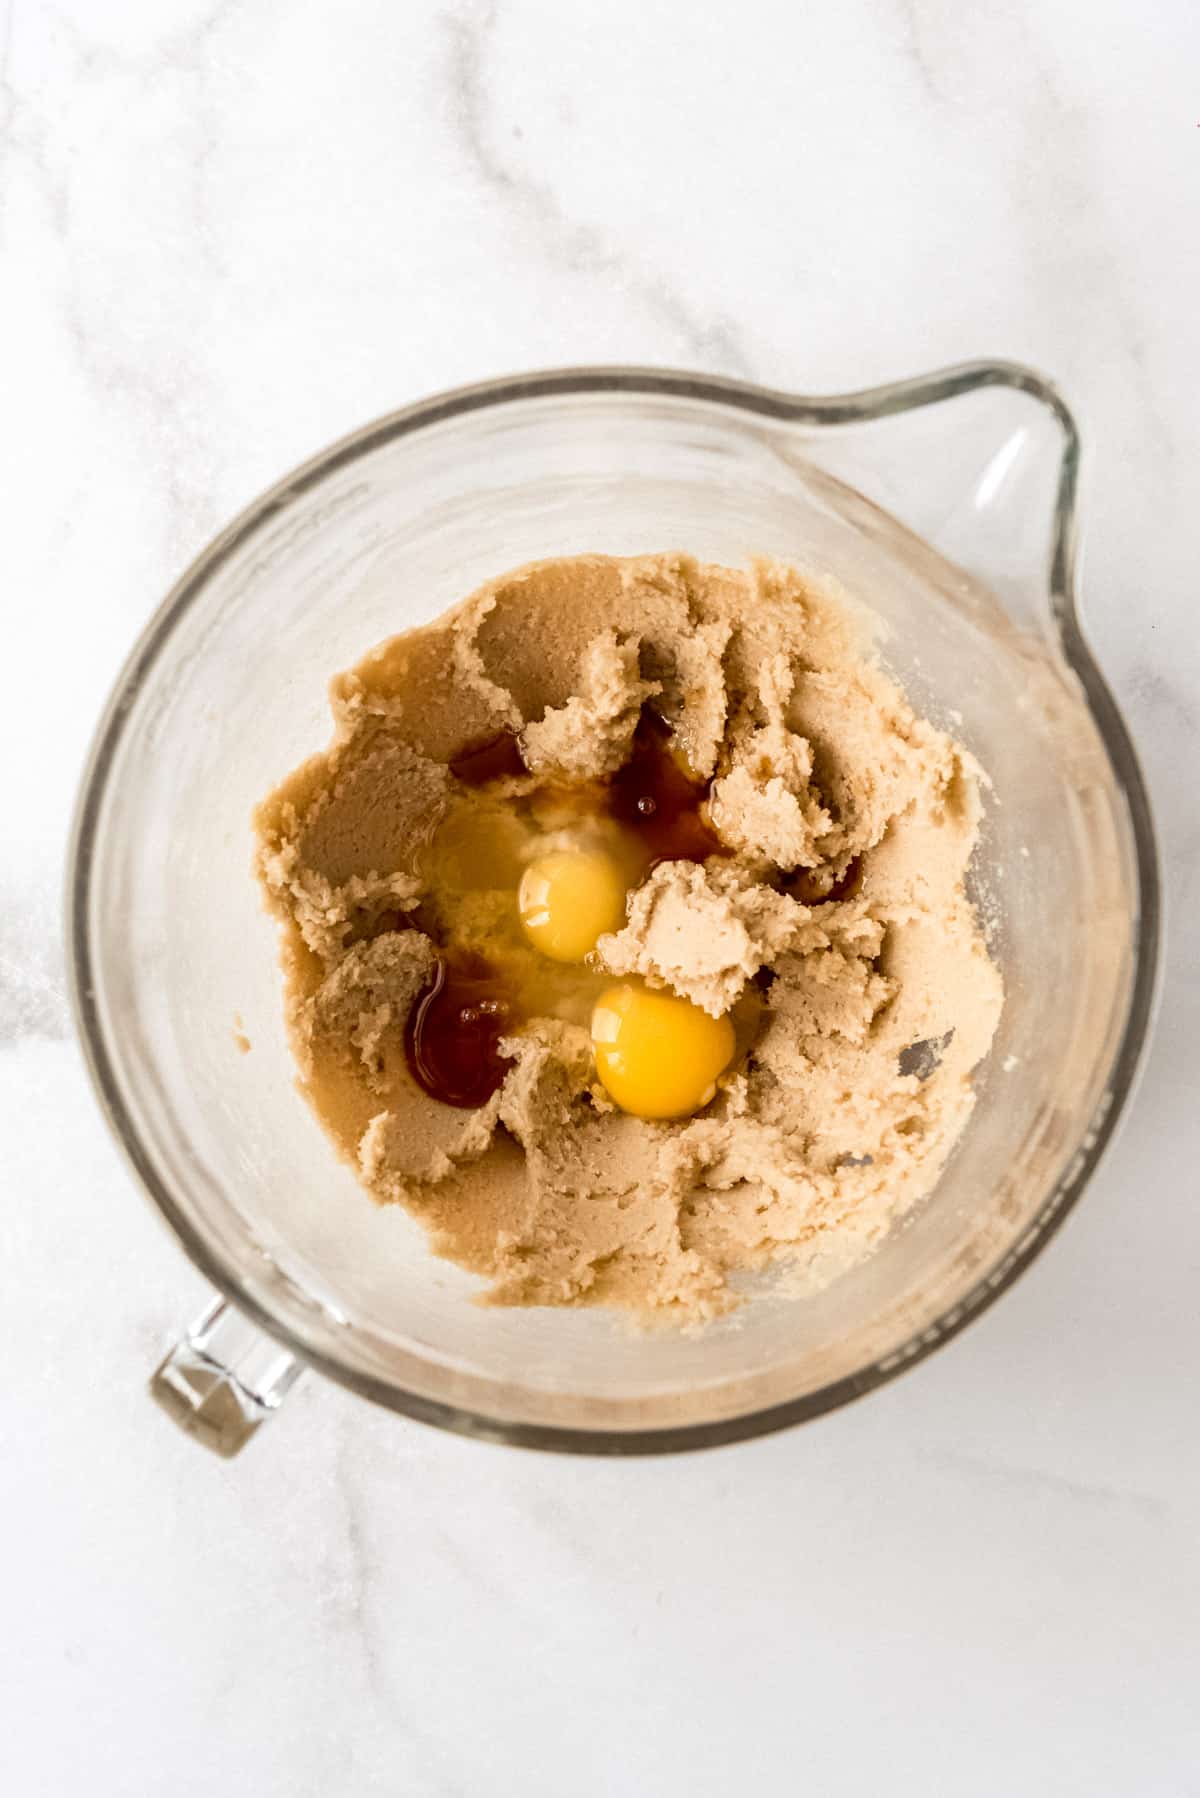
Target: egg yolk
658, 1056
568, 900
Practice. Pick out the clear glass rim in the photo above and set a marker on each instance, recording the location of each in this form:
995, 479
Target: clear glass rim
863, 406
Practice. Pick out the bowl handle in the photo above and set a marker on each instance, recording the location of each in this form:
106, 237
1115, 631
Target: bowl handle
224, 1379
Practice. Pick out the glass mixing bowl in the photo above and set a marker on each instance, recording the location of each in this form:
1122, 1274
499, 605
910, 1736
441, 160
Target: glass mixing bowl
226, 691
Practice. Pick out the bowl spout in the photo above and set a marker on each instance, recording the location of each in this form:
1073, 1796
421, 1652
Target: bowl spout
982, 461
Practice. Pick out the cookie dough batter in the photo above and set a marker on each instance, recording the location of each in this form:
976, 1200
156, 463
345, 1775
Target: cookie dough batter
829, 922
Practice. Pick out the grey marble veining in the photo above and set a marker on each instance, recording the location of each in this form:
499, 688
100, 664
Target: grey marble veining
230, 232
538, 215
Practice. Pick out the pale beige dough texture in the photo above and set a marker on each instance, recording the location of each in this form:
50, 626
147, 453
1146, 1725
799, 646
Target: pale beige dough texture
860, 1019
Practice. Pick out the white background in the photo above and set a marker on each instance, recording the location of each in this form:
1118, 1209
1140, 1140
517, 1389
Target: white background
230, 233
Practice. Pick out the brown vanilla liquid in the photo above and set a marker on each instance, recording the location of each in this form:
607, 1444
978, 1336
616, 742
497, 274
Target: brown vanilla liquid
454, 1029
452, 1037
656, 799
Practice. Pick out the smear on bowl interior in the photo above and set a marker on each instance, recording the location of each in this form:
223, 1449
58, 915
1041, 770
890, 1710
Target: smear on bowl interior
625, 935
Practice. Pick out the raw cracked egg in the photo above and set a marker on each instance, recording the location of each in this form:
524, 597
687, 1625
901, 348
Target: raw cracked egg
658, 1056
568, 899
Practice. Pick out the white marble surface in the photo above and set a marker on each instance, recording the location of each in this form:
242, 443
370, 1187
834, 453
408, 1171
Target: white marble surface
229, 233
